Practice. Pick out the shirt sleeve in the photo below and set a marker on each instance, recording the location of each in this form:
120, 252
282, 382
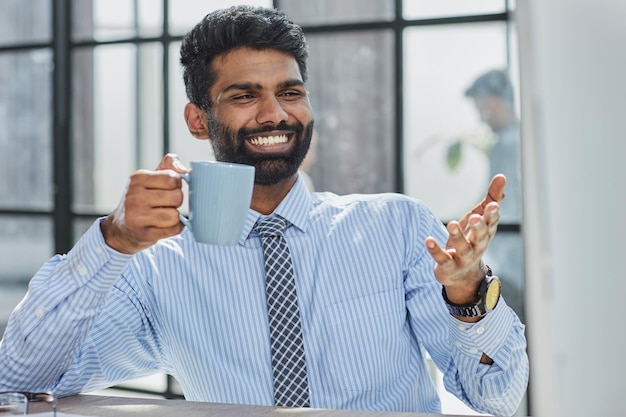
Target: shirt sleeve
47, 328
496, 388
455, 346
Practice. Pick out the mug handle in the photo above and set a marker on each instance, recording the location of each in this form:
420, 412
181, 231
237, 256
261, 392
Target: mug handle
182, 218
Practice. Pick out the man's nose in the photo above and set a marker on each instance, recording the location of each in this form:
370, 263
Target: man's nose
271, 111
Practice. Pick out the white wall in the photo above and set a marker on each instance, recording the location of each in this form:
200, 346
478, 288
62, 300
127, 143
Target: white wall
573, 75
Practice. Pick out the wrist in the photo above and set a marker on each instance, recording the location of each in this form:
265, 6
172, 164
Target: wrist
461, 294
114, 237
462, 304
466, 291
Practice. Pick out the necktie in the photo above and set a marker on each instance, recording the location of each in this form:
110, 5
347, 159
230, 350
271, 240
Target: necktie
291, 387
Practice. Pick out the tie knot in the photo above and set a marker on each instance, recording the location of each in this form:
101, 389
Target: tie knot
270, 226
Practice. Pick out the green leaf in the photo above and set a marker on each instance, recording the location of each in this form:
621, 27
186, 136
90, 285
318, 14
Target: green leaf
453, 157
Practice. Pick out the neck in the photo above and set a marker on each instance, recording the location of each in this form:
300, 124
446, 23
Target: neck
265, 198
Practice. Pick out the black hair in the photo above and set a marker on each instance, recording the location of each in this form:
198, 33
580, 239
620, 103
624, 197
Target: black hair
494, 83
238, 26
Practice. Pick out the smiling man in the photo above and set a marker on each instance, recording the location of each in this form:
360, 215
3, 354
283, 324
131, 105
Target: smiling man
366, 285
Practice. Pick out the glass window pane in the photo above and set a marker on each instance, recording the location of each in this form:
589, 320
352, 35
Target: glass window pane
25, 21
80, 227
307, 12
424, 9
117, 120
351, 85
444, 135
114, 19
25, 244
185, 14
25, 129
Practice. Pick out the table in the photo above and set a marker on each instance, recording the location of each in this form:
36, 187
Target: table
104, 406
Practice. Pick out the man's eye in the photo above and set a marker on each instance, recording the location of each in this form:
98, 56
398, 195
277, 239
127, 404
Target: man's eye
291, 95
242, 97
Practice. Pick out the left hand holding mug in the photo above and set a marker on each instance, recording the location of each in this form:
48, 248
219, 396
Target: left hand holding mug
148, 210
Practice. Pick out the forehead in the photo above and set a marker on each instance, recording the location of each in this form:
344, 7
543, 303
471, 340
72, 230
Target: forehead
266, 68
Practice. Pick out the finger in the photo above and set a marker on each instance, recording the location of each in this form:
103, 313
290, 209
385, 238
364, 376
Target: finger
446, 264
492, 218
172, 161
482, 229
479, 233
492, 214
146, 227
154, 180
495, 193
155, 218
439, 254
147, 200
457, 240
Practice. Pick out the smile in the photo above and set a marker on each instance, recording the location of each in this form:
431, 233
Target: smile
269, 140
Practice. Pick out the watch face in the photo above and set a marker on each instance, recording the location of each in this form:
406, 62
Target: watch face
493, 294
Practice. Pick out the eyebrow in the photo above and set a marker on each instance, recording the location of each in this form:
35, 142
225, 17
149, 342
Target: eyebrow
257, 86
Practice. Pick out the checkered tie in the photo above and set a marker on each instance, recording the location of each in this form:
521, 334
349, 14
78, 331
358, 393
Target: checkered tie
291, 387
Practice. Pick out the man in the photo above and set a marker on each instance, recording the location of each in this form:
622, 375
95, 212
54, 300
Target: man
138, 295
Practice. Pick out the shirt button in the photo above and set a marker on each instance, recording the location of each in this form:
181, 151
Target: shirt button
473, 351
40, 312
480, 330
461, 327
457, 343
99, 251
82, 270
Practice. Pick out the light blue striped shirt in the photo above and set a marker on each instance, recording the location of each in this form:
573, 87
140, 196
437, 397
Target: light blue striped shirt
370, 307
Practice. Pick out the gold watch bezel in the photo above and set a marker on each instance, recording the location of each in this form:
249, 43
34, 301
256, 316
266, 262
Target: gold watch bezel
492, 295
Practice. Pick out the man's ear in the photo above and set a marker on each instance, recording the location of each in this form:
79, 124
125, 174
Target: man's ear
196, 121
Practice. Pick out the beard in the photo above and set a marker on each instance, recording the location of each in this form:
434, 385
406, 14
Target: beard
230, 146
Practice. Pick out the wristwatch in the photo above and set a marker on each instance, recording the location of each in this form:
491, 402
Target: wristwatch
486, 298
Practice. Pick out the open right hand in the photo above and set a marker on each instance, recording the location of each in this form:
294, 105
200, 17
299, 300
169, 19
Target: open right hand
148, 210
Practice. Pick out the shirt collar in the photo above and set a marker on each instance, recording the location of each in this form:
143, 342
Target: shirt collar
295, 208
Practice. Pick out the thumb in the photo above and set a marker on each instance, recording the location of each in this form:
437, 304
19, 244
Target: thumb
171, 161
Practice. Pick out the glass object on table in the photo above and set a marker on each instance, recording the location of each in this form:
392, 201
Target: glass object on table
16, 403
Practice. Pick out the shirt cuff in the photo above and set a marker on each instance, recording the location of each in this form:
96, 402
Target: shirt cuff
92, 263
471, 340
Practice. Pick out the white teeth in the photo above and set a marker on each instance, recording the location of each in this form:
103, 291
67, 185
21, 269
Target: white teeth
269, 140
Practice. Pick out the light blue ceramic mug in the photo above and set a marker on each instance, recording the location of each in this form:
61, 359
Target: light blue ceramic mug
219, 198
